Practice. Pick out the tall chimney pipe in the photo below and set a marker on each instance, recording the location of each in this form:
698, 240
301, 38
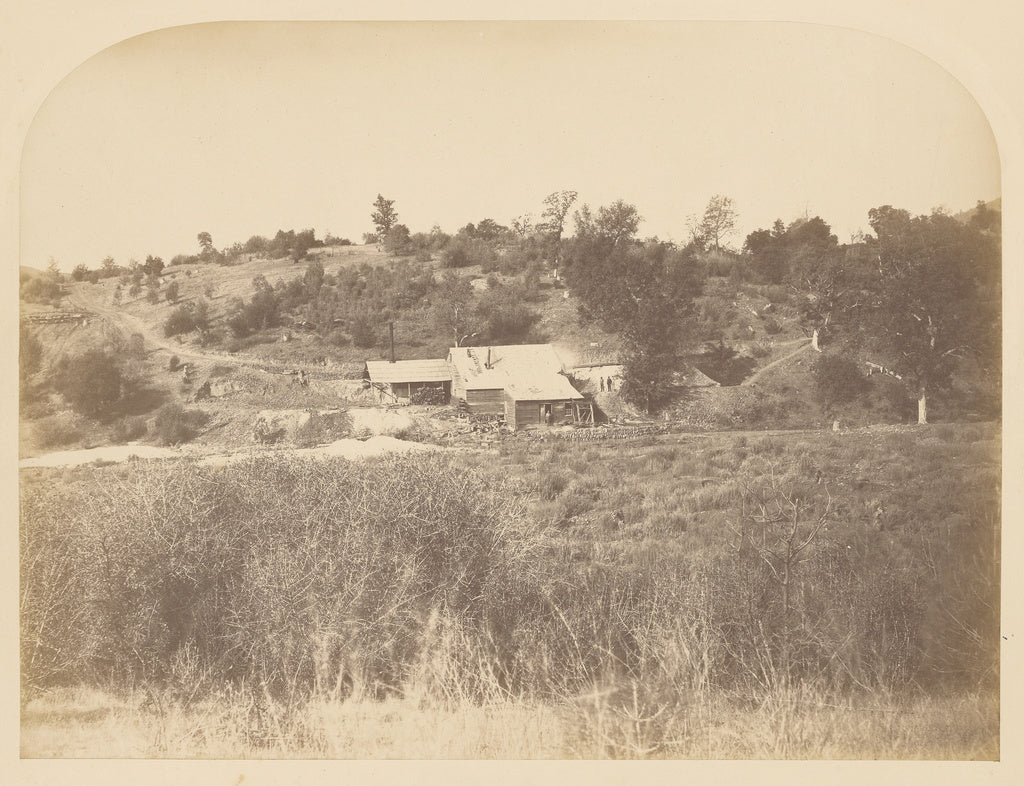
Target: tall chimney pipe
391, 325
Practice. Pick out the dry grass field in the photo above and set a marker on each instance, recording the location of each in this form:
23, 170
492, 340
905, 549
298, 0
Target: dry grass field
790, 595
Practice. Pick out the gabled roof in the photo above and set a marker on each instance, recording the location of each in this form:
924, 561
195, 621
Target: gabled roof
527, 371
432, 370
516, 360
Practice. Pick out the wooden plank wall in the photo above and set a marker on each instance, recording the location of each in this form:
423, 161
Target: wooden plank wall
485, 402
531, 413
528, 414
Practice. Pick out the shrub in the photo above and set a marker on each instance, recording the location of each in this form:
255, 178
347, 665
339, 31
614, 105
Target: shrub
91, 383
262, 311
513, 262
174, 425
238, 319
552, 484
397, 242
647, 379
179, 321
30, 352
364, 334
128, 429
463, 251
174, 363
338, 338
136, 346
838, 379
772, 326
508, 319
41, 289
172, 292
200, 314
386, 553
55, 431
31, 408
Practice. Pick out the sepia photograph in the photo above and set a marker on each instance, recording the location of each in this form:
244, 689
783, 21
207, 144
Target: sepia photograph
509, 390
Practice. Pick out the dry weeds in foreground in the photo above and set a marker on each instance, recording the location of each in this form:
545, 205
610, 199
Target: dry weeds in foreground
82, 722
635, 607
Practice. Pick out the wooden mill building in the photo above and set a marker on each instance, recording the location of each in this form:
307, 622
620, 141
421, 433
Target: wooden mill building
525, 383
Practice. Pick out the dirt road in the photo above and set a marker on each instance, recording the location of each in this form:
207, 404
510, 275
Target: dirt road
82, 298
805, 344
218, 455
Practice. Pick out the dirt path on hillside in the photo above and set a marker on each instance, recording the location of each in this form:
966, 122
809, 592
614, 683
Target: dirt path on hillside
133, 324
806, 343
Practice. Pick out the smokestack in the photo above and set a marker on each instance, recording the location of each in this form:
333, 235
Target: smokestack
391, 325
488, 363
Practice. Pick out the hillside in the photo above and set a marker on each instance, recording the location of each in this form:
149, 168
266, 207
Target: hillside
993, 205
748, 337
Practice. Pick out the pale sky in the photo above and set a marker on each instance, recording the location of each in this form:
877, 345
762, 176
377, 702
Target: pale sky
246, 128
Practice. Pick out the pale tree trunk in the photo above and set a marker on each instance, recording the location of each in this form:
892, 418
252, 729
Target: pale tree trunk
814, 340
922, 409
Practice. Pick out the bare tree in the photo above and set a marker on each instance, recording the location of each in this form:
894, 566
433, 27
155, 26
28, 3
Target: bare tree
781, 526
521, 226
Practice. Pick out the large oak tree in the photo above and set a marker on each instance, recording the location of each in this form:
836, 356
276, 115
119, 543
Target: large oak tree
936, 296
641, 291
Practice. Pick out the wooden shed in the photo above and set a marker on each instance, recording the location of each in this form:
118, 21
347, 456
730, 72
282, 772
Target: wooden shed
555, 402
396, 381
